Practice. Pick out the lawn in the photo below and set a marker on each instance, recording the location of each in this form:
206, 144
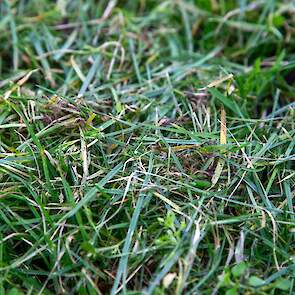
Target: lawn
147, 147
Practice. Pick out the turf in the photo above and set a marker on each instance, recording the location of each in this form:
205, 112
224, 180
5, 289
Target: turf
147, 147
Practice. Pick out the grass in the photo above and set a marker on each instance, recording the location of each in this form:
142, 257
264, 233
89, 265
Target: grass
147, 147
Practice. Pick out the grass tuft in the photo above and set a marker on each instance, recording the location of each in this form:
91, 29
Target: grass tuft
147, 147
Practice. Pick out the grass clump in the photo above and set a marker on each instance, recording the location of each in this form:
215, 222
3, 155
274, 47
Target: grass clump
118, 173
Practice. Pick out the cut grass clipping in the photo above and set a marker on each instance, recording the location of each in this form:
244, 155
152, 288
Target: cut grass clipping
147, 147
